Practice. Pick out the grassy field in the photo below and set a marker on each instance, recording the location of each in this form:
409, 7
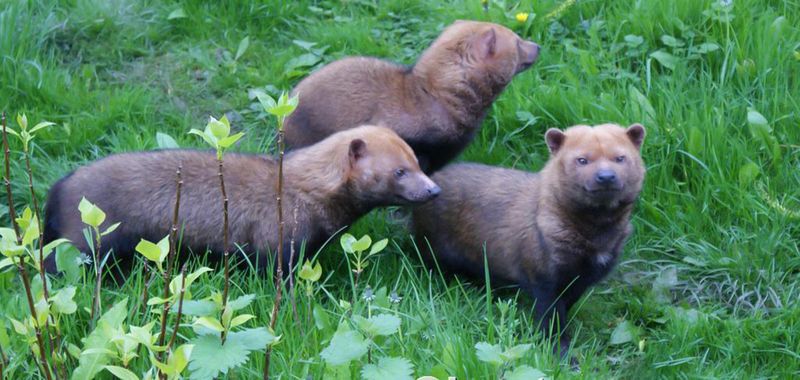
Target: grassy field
708, 286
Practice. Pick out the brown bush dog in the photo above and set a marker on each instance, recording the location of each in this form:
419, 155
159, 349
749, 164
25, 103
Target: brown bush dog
436, 105
553, 233
327, 186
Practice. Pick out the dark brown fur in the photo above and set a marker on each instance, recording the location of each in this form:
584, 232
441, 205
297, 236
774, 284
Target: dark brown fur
553, 233
327, 186
436, 106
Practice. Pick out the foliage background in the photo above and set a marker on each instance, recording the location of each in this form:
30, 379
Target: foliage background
708, 285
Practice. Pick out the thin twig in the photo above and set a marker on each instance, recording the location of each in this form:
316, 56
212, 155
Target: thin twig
279, 250
21, 266
180, 308
173, 239
148, 276
224, 241
291, 267
98, 270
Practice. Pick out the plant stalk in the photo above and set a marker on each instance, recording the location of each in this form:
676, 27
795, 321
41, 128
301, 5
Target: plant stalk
225, 255
173, 241
180, 308
37, 329
98, 277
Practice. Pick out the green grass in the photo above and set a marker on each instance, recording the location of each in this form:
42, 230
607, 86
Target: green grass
113, 73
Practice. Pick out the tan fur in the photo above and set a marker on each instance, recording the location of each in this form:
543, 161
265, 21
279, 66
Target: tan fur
553, 233
436, 106
327, 186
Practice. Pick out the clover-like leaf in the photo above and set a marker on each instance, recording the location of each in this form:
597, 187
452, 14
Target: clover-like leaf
362, 244
309, 273
347, 241
378, 246
91, 214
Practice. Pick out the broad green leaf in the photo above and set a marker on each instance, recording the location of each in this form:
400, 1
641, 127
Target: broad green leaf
665, 59
152, 252
309, 273
748, 173
62, 301
381, 324
347, 241
345, 346
671, 41
321, 319
7, 262
157, 301
646, 113
210, 358
200, 308
42, 311
516, 352
41, 125
8, 244
378, 246
489, 353
705, 48
5, 341
19, 327
634, 40
49, 247
121, 373
91, 214
68, 262
241, 302
755, 118
622, 334
388, 368
524, 372
166, 141
143, 334
31, 231
230, 140
100, 338
176, 14
241, 319
243, 45
209, 322
209, 139
175, 284
362, 244
219, 128
266, 101
177, 360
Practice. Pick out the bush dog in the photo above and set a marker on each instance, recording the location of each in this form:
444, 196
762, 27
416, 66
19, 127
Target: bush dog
326, 186
436, 105
553, 233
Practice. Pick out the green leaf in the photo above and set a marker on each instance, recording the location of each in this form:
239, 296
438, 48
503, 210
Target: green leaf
5, 341
381, 324
634, 40
646, 113
39, 126
671, 41
524, 372
91, 214
110, 229
68, 262
62, 301
157, 301
175, 284
92, 363
362, 244
388, 368
209, 139
166, 141
31, 231
243, 45
489, 353
241, 319
154, 252
347, 241
22, 120
345, 346
665, 59
220, 129
241, 302
200, 308
176, 362
378, 246
176, 14
230, 140
121, 373
696, 142
622, 334
309, 273
7, 262
209, 322
748, 174
705, 48
516, 352
210, 358
321, 319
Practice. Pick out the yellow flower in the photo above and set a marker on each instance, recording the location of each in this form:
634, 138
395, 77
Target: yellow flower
522, 16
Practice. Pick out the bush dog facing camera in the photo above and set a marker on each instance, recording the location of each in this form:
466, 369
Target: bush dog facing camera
326, 186
436, 105
553, 233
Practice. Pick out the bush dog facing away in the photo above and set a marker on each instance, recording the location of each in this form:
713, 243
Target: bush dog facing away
436, 105
552, 233
326, 186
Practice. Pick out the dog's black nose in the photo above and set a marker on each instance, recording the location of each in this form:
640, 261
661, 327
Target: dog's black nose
434, 191
605, 177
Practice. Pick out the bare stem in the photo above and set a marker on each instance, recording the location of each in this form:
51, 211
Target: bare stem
26, 282
98, 277
173, 241
279, 250
180, 308
291, 267
21, 266
148, 276
225, 255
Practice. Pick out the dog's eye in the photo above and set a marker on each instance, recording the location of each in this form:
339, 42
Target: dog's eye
582, 161
400, 173
619, 158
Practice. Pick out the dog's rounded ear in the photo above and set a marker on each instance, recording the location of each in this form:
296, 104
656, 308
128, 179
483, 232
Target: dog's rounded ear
636, 133
358, 148
555, 139
485, 43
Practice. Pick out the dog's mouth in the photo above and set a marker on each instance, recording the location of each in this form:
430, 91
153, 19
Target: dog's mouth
603, 191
